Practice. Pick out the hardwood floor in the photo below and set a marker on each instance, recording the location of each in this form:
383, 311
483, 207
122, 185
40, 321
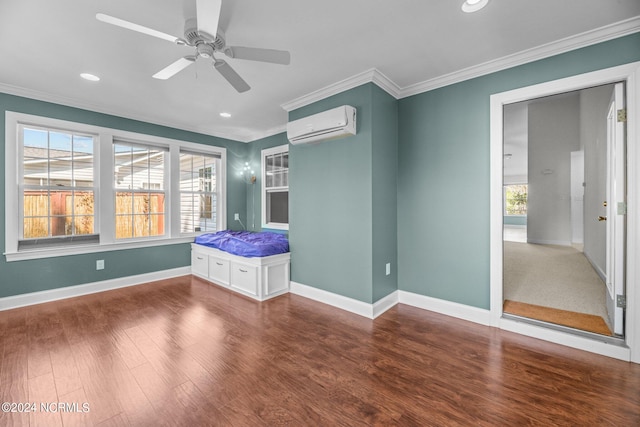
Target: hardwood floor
183, 352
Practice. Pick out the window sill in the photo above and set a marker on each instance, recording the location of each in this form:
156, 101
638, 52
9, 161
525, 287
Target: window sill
92, 248
276, 226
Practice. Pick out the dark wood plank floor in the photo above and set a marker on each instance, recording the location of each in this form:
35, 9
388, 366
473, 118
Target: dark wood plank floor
183, 352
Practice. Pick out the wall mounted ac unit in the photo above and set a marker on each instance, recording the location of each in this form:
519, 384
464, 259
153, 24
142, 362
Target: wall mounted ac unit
330, 124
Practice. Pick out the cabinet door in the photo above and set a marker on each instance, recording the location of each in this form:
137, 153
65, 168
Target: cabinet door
219, 270
199, 264
244, 277
276, 279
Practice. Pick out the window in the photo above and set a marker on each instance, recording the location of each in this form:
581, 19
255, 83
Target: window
275, 188
515, 199
74, 188
56, 185
139, 190
198, 192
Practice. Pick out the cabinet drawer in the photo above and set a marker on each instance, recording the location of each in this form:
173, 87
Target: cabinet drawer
199, 264
244, 277
219, 270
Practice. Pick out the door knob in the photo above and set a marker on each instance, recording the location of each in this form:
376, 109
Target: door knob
602, 218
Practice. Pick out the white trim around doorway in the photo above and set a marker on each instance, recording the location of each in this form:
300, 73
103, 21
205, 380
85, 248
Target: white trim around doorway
629, 73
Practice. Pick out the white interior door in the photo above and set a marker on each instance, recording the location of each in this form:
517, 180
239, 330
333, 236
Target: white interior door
615, 210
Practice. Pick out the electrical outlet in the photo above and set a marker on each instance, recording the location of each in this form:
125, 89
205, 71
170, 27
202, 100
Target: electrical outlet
236, 216
388, 268
100, 264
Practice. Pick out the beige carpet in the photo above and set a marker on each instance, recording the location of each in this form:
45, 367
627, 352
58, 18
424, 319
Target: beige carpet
558, 277
584, 322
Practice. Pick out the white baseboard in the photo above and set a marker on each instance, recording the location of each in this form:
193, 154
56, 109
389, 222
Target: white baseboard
448, 308
335, 300
385, 304
595, 266
549, 242
370, 311
16, 301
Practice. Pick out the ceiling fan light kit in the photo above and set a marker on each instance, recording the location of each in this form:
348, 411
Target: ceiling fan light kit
198, 34
470, 6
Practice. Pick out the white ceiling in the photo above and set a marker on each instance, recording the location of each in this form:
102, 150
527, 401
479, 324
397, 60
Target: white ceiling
45, 45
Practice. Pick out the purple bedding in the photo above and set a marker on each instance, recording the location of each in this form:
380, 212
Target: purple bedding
246, 243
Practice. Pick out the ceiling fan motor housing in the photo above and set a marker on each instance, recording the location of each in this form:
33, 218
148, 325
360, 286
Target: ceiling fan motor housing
194, 37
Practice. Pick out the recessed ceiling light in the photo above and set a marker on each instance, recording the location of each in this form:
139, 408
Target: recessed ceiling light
90, 77
225, 115
473, 5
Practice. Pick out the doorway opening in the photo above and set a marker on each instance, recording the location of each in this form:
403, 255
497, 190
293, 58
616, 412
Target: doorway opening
556, 239
552, 207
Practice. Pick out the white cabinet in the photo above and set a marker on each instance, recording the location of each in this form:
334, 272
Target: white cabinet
218, 270
244, 277
199, 264
260, 278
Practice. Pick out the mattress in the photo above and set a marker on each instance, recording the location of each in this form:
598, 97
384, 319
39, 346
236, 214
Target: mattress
246, 243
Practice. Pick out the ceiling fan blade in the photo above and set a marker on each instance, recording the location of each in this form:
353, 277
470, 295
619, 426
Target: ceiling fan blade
174, 68
256, 54
208, 15
231, 76
135, 27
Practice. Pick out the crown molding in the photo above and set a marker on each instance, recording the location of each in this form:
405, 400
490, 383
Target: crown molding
75, 103
254, 136
609, 32
370, 76
602, 34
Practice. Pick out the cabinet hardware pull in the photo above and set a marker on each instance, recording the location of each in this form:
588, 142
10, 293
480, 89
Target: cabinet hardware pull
244, 271
199, 257
218, 263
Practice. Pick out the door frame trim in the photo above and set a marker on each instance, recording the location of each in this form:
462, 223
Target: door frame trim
629, 73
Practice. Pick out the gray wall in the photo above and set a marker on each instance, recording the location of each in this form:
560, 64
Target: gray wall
20, 277
554, 132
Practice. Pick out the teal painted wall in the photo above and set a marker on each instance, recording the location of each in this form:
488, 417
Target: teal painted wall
330, 204
21, 277
343, 204
384, 184
443, 172
514, 220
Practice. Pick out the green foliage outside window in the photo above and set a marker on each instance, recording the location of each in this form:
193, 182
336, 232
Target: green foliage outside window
515, 199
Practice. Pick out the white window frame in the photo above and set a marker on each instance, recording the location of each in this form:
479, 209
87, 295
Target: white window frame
65, 240
133, 191
264, 154
105, 191
214, 191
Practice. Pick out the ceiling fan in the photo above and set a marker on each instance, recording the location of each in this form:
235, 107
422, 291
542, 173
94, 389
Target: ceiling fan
203, 34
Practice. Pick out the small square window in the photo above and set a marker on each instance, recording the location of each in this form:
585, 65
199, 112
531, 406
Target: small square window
275, 188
